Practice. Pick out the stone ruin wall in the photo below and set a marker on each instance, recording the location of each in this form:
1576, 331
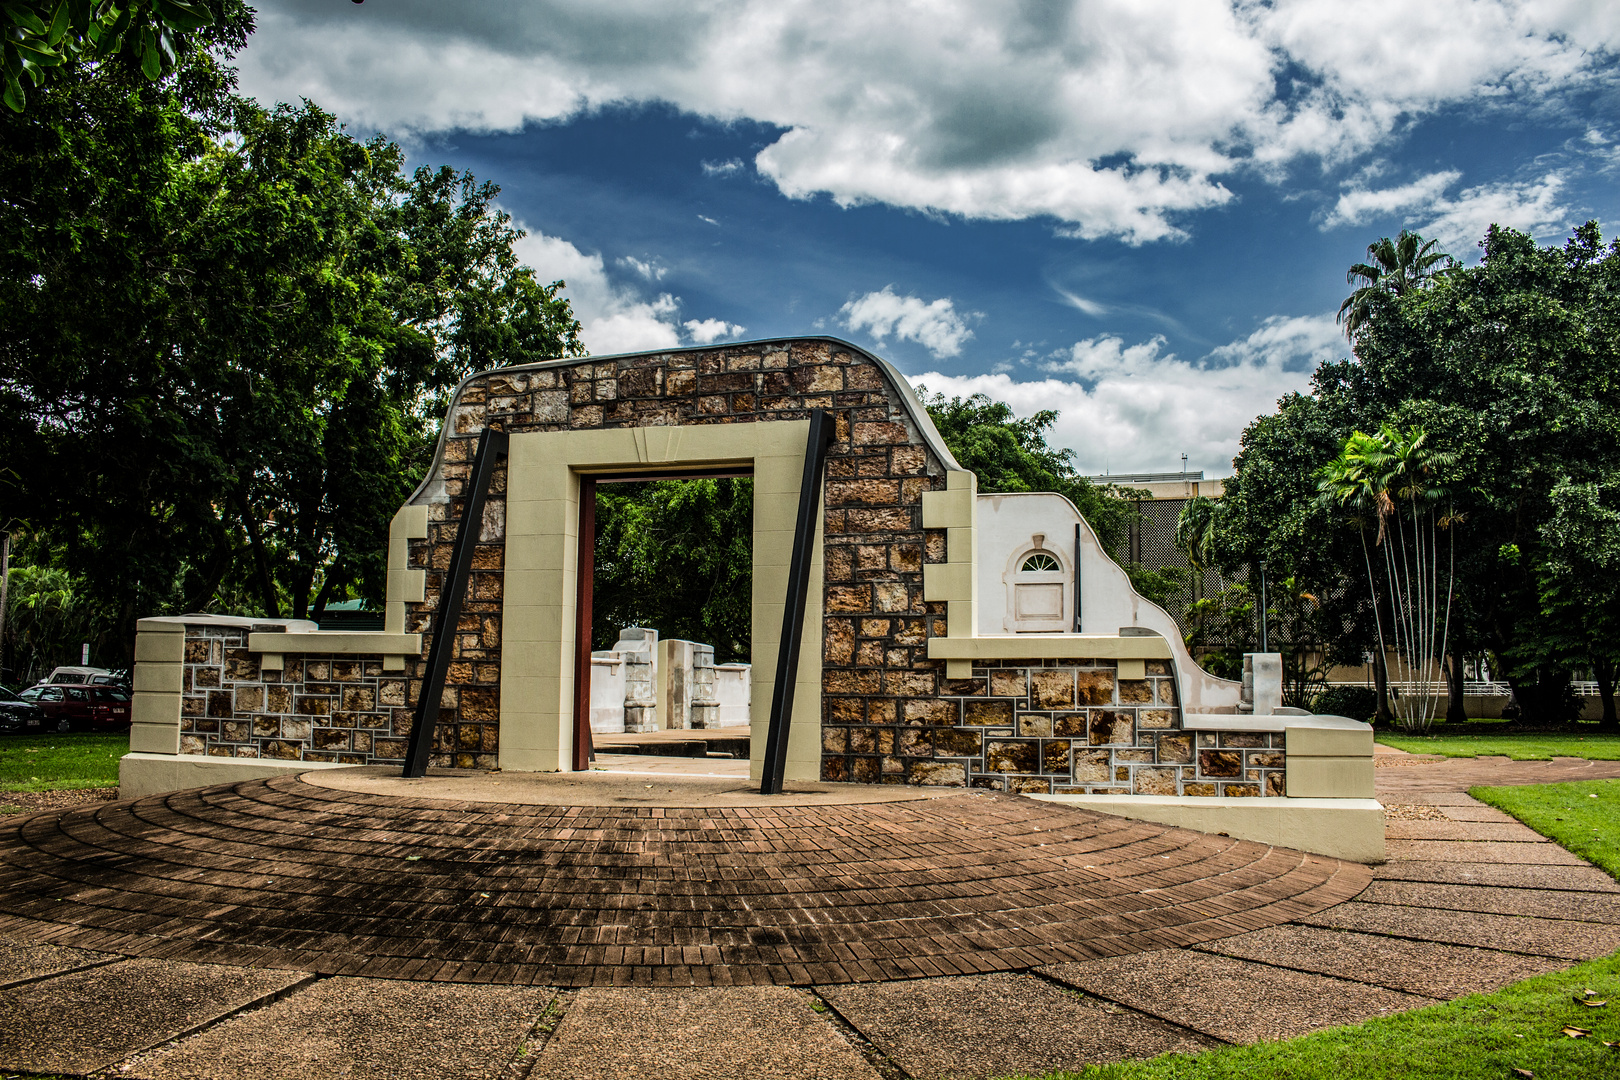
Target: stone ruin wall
343, 709
889, 713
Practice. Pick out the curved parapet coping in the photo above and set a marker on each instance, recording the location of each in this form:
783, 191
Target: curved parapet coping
431, 489
1110, 609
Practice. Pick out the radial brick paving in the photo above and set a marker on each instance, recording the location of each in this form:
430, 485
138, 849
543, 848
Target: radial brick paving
281, 873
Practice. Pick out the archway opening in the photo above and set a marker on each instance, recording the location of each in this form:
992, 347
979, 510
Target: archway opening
664, 631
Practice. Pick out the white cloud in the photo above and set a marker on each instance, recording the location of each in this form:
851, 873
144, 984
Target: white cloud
1358, 204
723, 168
1459, 223
615, 318
708, 331
1113, 117
648, 269
936, 325
1531, 206
1137, 408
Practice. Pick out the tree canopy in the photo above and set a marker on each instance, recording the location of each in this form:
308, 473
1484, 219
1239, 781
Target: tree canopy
1010, 453
227, 336
1513, 368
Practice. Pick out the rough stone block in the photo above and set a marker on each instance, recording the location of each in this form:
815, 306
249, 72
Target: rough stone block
1052, 688
1012, 757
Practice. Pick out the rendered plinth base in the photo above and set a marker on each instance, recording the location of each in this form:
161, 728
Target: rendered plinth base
1351, 829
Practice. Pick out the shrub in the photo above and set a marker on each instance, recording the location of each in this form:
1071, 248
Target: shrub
1356, 702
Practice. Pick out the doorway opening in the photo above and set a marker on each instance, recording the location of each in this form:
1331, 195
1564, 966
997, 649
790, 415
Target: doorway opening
664, 629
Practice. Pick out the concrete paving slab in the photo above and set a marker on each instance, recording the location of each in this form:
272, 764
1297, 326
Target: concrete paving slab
22, 960
1583, 878
1426, 798
1415, 967
1514, 933
761, 1033
1542, 903
1236, 1000
1477, 812
1468, 851
88, 1020
1512, 832
362, 1029
999, 1025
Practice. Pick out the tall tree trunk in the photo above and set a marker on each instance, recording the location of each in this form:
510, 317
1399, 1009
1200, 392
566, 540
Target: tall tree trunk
1605, 680
261, 562
1456, 713
1381, 688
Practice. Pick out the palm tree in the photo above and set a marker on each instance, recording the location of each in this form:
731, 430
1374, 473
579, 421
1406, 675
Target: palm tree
1390, 479
1395, 268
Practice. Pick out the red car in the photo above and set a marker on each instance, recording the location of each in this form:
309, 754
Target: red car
96, 708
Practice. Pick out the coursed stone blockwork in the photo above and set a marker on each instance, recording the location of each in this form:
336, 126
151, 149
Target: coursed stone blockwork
331, 708
890, 714
878, 468
1064, 727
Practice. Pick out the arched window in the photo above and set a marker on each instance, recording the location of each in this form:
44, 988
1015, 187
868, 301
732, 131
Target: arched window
1038, 588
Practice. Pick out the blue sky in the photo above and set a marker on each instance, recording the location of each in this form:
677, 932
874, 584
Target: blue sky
1138, 213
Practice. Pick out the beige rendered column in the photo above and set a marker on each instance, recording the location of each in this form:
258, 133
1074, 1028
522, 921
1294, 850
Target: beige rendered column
160, 652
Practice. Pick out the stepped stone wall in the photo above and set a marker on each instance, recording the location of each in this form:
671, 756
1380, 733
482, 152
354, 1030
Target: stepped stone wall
890, 714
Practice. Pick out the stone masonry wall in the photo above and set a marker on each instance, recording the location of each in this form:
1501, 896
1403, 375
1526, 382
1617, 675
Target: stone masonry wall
890, 714
328, 708
1054, 726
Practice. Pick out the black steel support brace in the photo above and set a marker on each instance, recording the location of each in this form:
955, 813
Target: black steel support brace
822, 428
492, 444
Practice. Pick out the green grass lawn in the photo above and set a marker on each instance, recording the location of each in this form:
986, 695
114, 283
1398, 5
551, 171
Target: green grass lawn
1583, 816
1517, 747
60, 762
1483, 1037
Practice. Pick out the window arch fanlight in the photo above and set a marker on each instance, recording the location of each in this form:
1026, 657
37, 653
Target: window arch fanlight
1038, 585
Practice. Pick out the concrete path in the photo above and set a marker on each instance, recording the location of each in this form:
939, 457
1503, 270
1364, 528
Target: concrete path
1469, 901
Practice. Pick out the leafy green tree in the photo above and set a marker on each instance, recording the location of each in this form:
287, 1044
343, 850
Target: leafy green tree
1391, 479
1396, 267
153, 37
1514, 365
1579, 599
676, 555
1009, 453
227, 334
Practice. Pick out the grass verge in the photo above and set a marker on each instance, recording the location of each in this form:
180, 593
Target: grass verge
1517, 747
1483, 1037
1583, 817
60, 762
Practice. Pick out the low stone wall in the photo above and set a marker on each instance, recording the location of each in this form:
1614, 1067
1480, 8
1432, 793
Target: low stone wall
1064, 727
340, 709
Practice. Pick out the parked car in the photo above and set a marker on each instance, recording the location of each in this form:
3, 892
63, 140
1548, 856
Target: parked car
19, 717
69, 707
75, 676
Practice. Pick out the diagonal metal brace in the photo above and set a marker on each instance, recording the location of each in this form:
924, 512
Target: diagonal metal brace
492, 445
822, 429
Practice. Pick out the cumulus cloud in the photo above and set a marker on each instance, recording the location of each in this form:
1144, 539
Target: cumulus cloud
1458, 222
1138, 408
709, 331
1112, 118
730, 167
616, 318
1531, 206
650, 269
1358, 204
936, 325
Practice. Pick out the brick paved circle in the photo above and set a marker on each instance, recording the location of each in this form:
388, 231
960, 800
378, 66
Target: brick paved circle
284, 874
